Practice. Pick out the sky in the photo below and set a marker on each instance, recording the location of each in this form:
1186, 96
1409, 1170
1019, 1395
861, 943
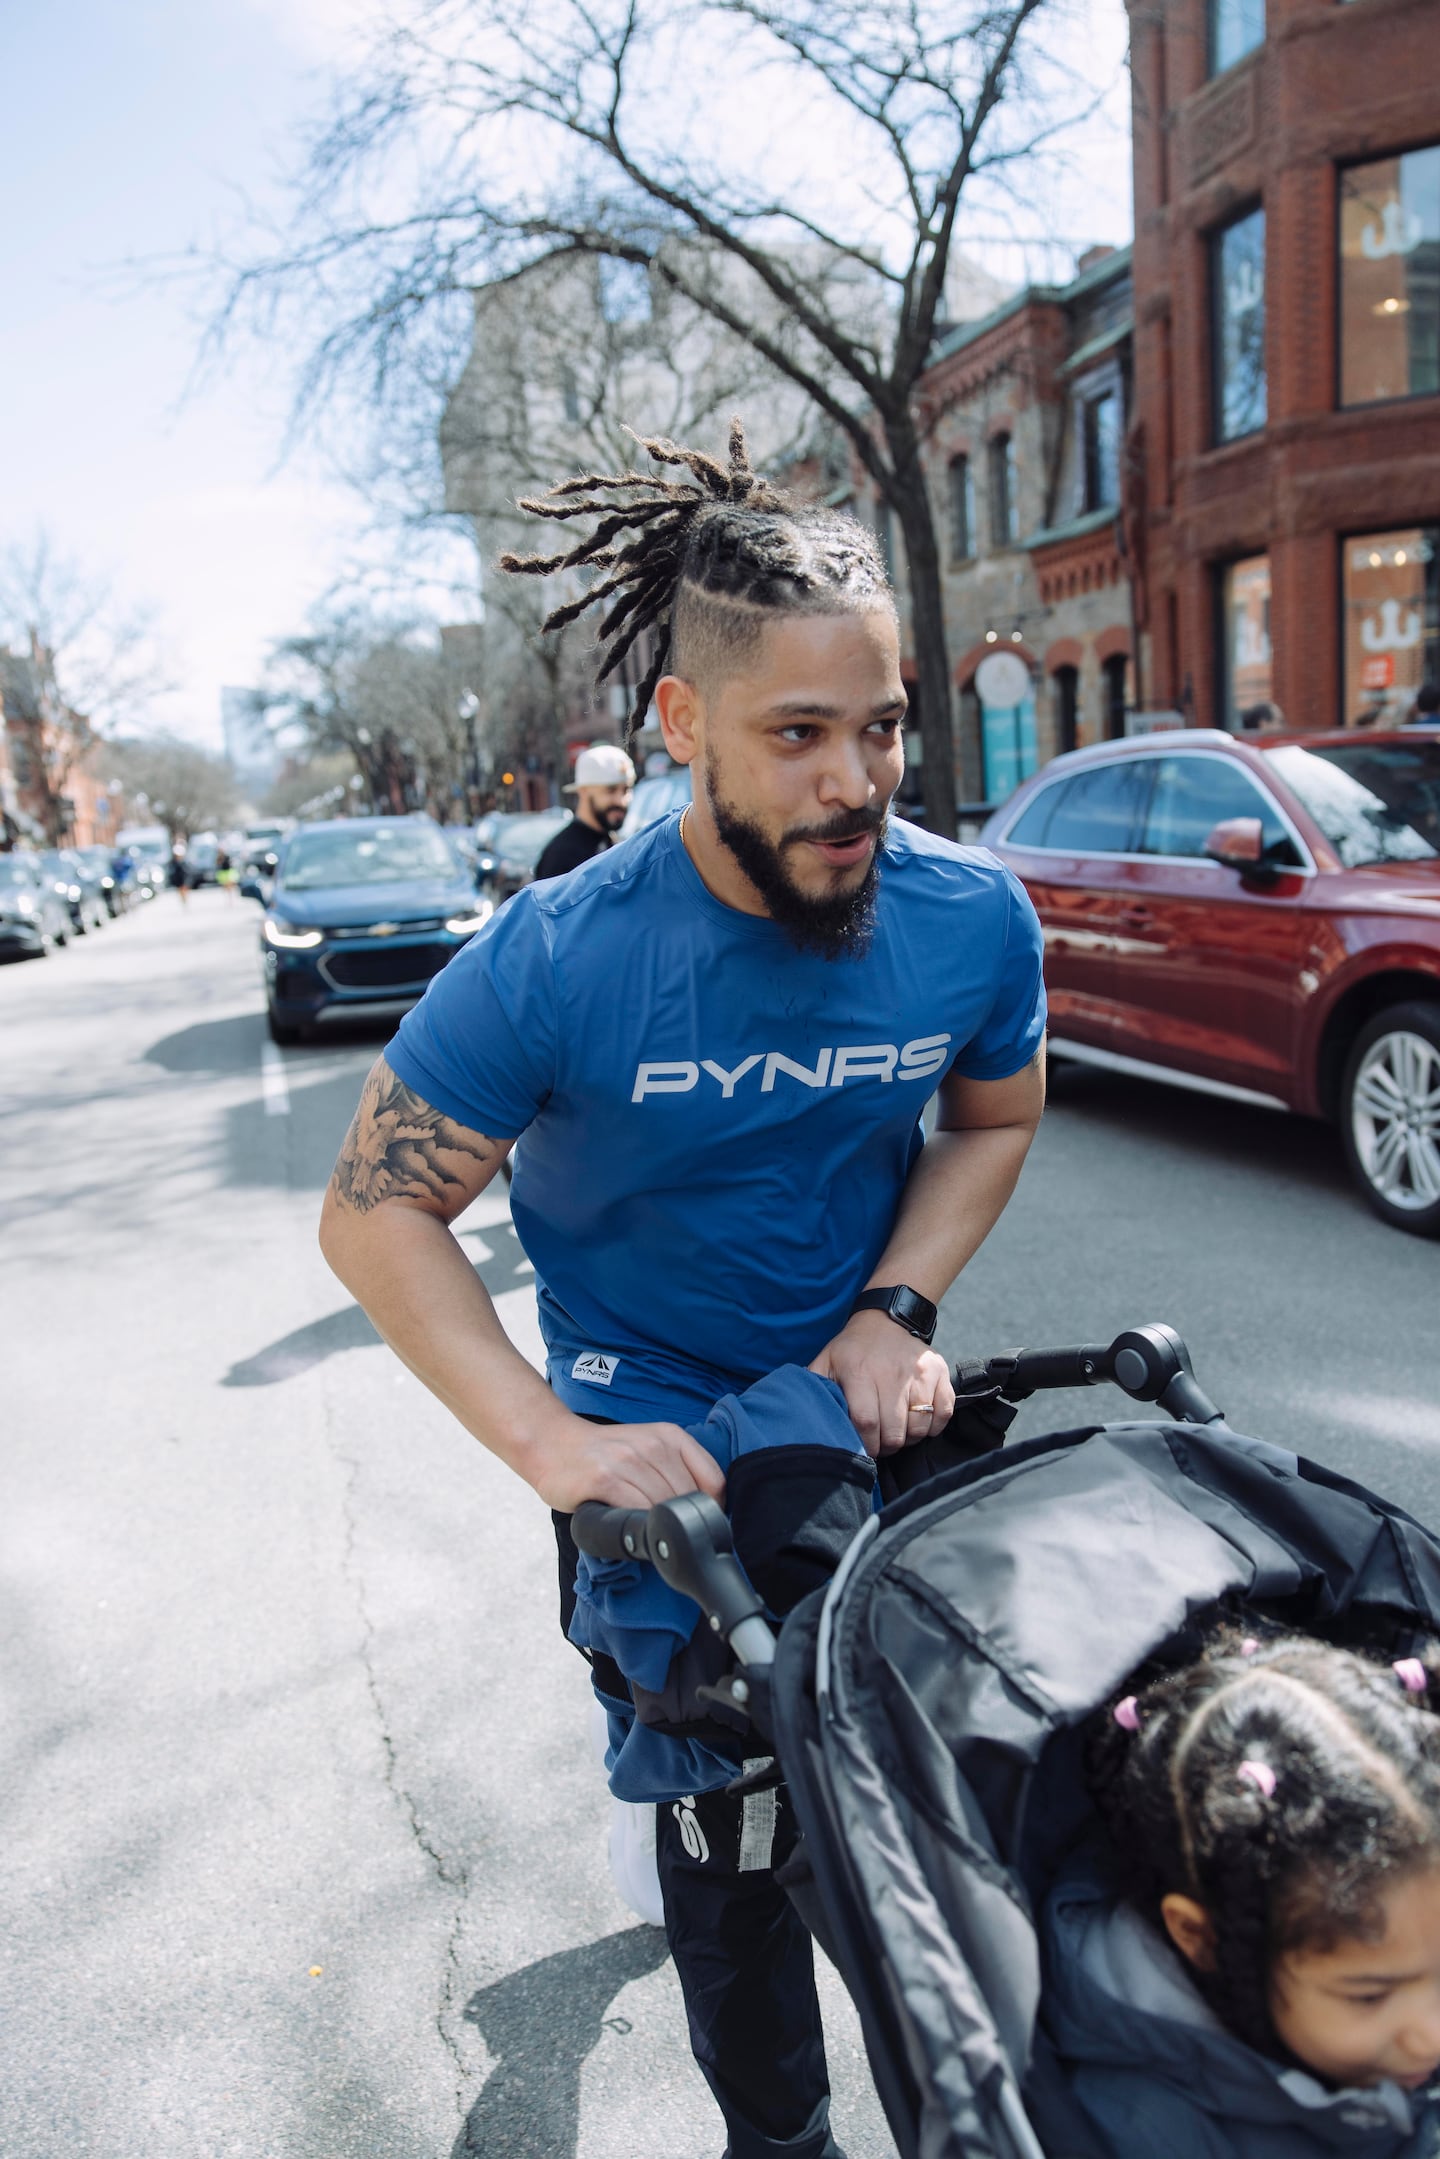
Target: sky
133, 128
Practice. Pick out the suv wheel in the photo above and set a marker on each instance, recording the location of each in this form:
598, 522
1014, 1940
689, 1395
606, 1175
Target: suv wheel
1390, 1116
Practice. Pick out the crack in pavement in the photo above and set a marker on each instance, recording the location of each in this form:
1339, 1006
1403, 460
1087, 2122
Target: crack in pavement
452, 1874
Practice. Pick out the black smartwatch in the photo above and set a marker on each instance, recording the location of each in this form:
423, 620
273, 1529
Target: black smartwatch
916, 1314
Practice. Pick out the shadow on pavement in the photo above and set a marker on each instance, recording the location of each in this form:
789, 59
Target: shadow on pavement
228, 1045
295, 1353
540, 2024
348, 1328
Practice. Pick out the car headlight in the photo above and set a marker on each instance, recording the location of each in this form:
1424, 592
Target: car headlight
24, 905
289, 937
466, 925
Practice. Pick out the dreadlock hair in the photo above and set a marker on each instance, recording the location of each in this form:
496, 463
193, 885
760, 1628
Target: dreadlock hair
1281, 1784
698, 562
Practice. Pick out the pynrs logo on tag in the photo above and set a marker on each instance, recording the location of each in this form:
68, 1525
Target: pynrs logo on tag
597, 1367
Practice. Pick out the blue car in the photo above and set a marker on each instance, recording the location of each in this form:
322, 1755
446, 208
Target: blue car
362, 913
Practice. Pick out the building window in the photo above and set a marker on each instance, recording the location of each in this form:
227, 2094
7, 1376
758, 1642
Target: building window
1236, 27
1238, 297
1391, 583
1067, 706
1246, 666
962, 510
1390, 278
1115, 676
1100, 446
1002, 491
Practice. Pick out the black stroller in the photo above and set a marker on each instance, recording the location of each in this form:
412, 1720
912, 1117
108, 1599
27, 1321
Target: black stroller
924, 1707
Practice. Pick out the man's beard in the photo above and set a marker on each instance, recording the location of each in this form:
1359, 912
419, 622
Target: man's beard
836, 926
611, 819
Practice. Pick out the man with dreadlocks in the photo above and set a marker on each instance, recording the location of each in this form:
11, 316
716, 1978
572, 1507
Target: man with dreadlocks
717, 1040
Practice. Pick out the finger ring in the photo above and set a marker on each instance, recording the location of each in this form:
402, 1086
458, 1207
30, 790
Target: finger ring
922, 1409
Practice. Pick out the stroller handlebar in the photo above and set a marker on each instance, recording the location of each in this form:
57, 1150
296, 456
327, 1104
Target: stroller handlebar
688, 1541
1150, 1364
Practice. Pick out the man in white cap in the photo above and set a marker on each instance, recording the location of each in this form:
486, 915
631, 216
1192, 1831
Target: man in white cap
604, 777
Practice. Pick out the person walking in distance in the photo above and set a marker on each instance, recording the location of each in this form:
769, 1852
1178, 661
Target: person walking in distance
604, 777
717, 1041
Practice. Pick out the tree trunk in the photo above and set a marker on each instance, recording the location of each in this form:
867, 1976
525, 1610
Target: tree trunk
910, 500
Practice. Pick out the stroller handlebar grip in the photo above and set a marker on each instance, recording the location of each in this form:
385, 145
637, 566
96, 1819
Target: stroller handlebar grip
1021, 1372
1150, 1364
610, 1532
687, 1540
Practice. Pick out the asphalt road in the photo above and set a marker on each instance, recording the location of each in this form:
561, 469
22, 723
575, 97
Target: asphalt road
305, 1849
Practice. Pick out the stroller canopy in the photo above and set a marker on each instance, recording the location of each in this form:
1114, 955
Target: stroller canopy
927, 1710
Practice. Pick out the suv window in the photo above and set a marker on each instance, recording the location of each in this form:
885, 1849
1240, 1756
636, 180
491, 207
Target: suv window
1195, 793
1099, 812
1374, 801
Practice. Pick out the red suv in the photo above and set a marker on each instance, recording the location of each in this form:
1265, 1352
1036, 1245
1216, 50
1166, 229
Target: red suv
1258, 918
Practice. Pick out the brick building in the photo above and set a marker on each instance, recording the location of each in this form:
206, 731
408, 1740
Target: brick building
53, 784
1283, 476
1026, 411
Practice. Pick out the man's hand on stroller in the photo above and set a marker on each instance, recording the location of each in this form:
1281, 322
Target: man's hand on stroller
625, 1465
897, 1390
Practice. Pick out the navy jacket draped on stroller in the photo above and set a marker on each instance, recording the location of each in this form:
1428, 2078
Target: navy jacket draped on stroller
925, 1707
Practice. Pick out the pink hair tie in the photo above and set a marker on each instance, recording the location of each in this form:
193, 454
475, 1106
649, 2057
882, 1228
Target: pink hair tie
1258, 1774
1411, 1674
1126, 1715
1249, 1646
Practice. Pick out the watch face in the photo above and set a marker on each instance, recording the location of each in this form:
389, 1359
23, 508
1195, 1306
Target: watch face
914, 1311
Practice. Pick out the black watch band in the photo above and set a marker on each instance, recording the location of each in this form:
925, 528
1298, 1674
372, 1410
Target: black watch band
916, 1314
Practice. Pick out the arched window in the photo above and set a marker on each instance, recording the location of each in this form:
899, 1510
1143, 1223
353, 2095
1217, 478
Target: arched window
1114, 673
962, 510
1067, 698
1002, 491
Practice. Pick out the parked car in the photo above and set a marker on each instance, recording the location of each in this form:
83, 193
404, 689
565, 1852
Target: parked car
33, 916
97, 880
152, 867
655, 798
202, 858
262, 843
517, 847
116, 887
1257, 918
362, 913
76, 887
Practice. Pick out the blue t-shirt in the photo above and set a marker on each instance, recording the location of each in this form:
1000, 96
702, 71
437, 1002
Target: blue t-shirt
717, 1126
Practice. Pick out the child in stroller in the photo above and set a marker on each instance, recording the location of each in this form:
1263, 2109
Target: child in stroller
930, 1710
1273, 1808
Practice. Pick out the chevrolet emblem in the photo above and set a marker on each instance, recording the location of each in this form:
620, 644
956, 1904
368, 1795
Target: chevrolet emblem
383, 929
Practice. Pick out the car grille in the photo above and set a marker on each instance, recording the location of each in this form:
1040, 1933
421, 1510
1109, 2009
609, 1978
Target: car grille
390, 969
425, 928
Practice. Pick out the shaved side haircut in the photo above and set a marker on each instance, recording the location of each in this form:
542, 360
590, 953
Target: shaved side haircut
700, 564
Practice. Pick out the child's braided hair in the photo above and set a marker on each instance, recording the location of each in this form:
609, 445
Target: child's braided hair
700, 556
1281, 1784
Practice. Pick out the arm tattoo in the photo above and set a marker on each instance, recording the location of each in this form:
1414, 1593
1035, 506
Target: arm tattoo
394, 1147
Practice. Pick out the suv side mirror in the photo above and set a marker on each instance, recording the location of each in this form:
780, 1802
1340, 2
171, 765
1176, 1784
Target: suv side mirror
1237, 842
250, 890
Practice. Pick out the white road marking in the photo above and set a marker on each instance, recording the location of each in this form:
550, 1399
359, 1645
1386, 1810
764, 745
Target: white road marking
273, 1084
476, 1246
525, 1266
